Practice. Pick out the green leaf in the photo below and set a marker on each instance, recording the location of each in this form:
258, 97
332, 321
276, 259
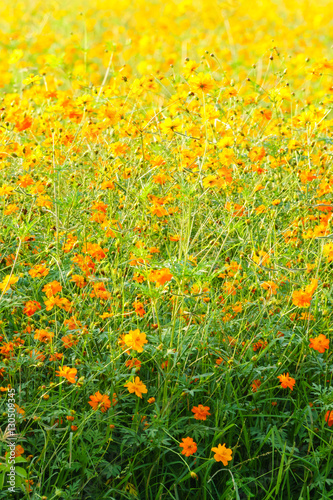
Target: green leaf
20, 472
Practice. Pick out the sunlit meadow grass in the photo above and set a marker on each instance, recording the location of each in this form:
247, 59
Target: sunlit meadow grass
166, 250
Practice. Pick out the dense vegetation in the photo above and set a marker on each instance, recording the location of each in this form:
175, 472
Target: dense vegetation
166, 249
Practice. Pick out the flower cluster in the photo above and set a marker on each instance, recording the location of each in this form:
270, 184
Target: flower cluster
165, 246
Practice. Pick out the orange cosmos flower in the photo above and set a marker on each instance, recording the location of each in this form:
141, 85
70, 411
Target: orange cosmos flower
73, 323
107, 185
11, 209
139, 309
287, 381
135, 340
139, 278
133, 363
98, 217
69, 340
52, 288
138, 387
271, 288
210, 181
63, 303
85, 264
302, 298
329, 418
69, 243
25, 181
68, 373
202, 83
261, 344
100, 206
19, 410
190, 68
56, 356
169, 126
19, 450
100, 291
79, 280
7, 282
312, 287
320, 343
44, 201
31, 307
160, 276
52, 302
24, 124
200, 412
160, 178
189, 446
5, 190
222, 454
328, 251
255, 385
100, 401
38, 271
43, 336
95, 251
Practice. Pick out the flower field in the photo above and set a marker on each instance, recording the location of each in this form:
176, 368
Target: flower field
166, 250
